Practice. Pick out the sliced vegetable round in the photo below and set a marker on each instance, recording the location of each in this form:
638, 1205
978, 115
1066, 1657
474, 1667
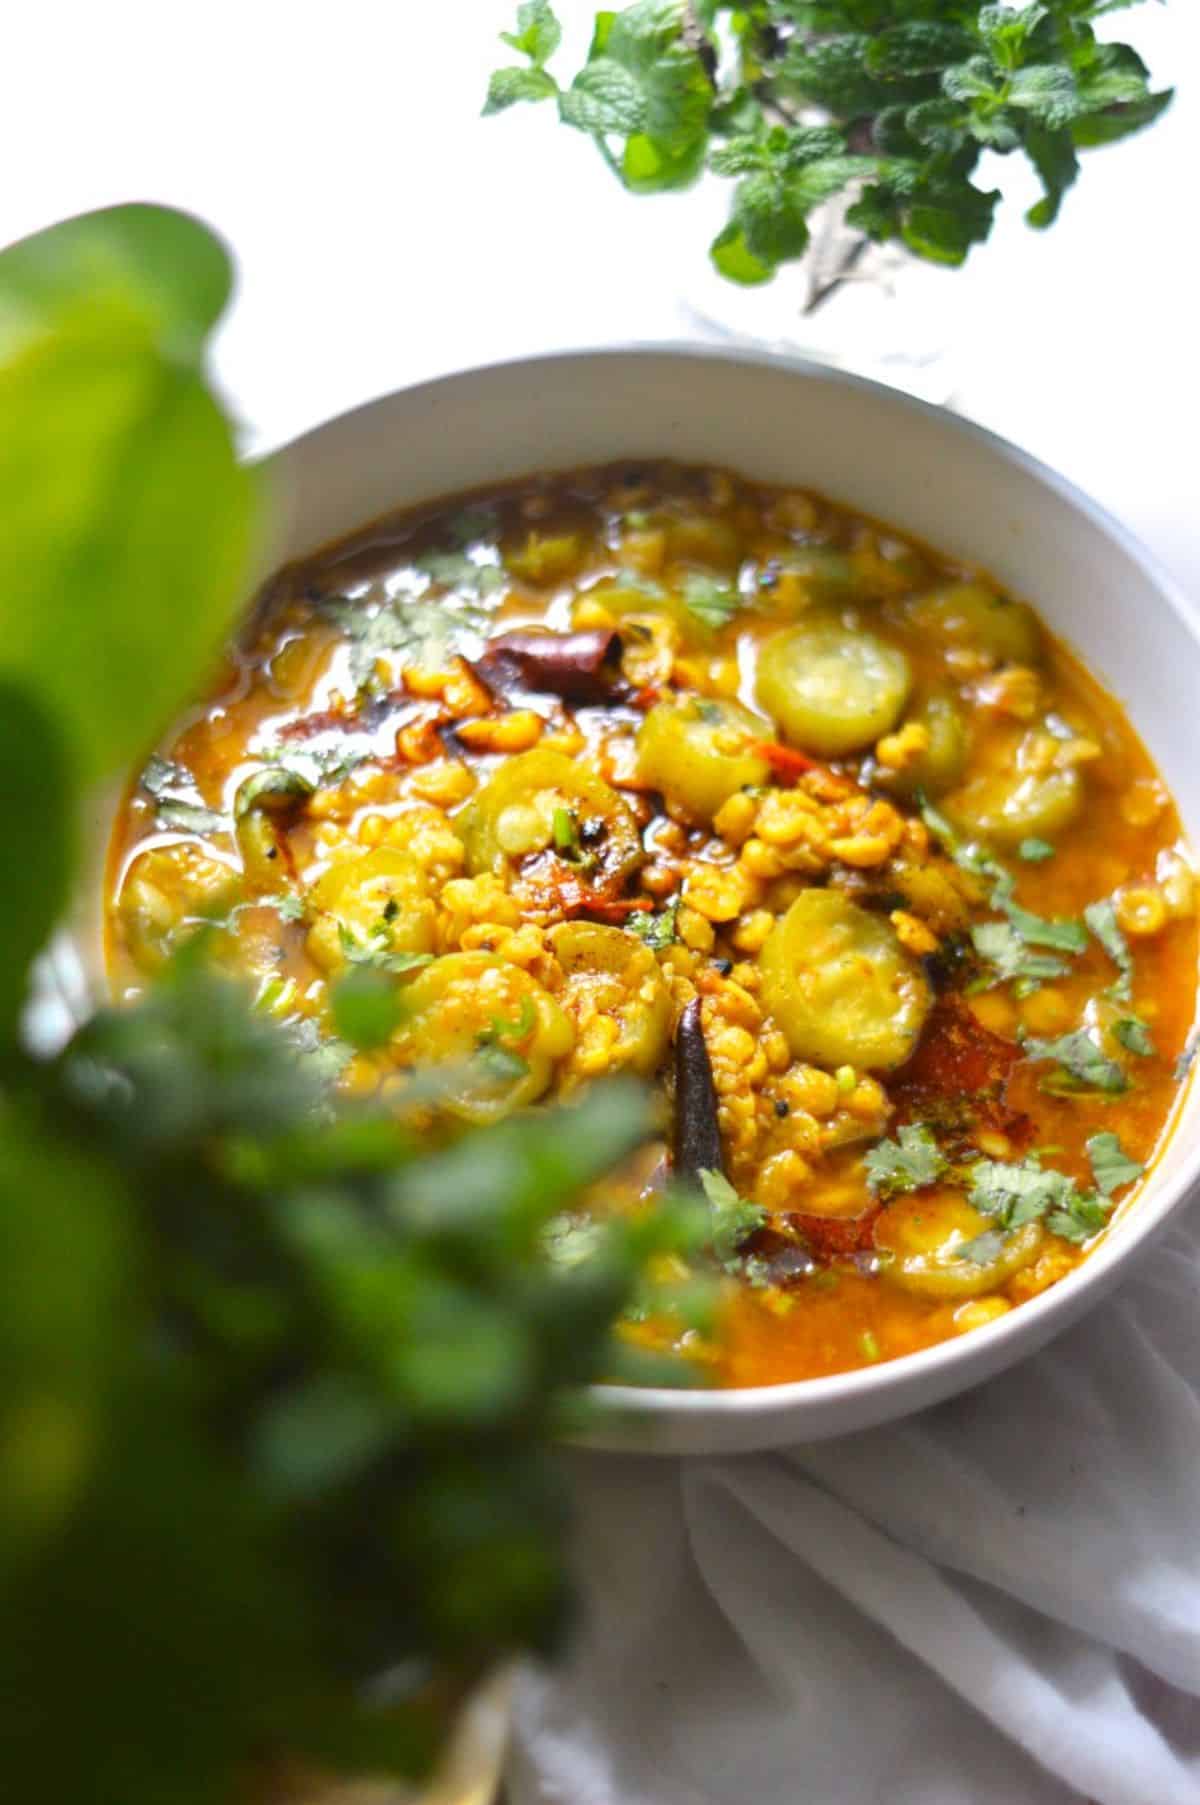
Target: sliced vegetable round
802, 577
259, 809
371, 909
832, 690
972, 616
168, 891
699, 752
940, 765
841, 986
1008, 807
927, 1236
612, 977
494, 1031
546, 804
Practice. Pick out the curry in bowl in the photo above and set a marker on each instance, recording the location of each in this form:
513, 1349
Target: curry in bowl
652, 769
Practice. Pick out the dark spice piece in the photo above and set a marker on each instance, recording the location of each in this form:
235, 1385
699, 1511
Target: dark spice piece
697, 1133
579, 667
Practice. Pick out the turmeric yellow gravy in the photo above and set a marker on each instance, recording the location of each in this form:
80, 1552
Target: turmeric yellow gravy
562, 761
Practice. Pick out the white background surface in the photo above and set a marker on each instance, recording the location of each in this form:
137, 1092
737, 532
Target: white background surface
384, 232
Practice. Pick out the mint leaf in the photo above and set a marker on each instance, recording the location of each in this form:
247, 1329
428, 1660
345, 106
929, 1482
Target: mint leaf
507, 87
538, 34
1111, 1167
907, 1163
604, 98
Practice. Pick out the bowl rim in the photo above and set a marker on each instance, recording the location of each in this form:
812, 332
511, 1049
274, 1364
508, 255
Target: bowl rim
1138, 1221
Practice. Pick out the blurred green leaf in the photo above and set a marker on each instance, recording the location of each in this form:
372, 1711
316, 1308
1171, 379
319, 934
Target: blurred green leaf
126, 522
37, 810
159, 266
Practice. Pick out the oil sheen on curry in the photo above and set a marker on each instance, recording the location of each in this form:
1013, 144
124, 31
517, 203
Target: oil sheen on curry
651, 769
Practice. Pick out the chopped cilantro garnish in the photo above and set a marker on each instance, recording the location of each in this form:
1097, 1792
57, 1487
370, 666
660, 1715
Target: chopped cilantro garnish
376, 950
1006, 952
517, 1030
162, 778
734, 1218
982, 1249
868, 1345
1101, 918
1018, 1192
1134, 1036
1004, 944
1063, 936
1085, 1218
659, 930
1111, 1165
177, 799
1082, 1063
907, 1163
1034, 851
713, 604
189, 818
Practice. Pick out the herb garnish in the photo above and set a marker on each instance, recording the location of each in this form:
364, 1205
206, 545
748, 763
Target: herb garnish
376, 949
713, 604
1082, 1063
1035, 851
494, 1045
1111, 1166
1134, 1035
1101, 918
176, 799
1004, 944
803, 101
907, 1163
658, 930
734, 1219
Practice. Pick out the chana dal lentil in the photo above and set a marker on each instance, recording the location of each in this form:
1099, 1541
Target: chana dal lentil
654, 769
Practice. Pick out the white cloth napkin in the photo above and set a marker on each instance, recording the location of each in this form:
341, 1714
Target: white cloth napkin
995, 1603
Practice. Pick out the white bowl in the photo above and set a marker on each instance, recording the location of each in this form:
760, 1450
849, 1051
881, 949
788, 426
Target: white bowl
929, 472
